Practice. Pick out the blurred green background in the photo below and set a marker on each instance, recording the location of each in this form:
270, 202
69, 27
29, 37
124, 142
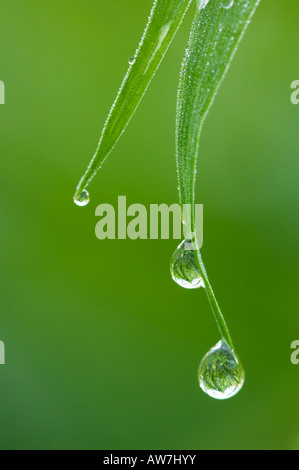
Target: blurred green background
102, 348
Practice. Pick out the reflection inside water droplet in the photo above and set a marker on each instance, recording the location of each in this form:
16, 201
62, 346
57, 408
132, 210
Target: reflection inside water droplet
227, 4
132, 60
184, 267
221, 375
82, 199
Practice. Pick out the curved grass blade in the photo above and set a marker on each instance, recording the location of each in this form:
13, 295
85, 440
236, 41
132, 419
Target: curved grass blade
216, 32
164, 21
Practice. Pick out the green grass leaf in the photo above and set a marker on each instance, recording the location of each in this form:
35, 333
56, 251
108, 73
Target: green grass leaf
217, 29
164, 21
216, 32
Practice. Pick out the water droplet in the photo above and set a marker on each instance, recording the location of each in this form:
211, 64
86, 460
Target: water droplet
202, 4
82, 199
132, 60
221, 375
227, 4
184, 267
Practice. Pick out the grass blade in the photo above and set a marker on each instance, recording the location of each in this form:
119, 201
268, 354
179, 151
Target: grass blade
164, 21
217, 30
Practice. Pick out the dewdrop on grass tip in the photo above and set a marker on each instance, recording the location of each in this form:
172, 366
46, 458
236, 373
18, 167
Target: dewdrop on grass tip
82, 199
184, 267
221, 374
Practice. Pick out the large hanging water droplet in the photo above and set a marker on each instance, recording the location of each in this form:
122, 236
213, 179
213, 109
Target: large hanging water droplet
184, 267
221, 375
82, 199
132, 60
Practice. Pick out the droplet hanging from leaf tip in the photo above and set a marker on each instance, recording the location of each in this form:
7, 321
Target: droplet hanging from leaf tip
82, 199
221, 375
184, 267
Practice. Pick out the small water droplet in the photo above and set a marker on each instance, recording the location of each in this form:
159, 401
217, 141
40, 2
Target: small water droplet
132, 60
82, 199
221, 375
184, 267
202, 4
227, 4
